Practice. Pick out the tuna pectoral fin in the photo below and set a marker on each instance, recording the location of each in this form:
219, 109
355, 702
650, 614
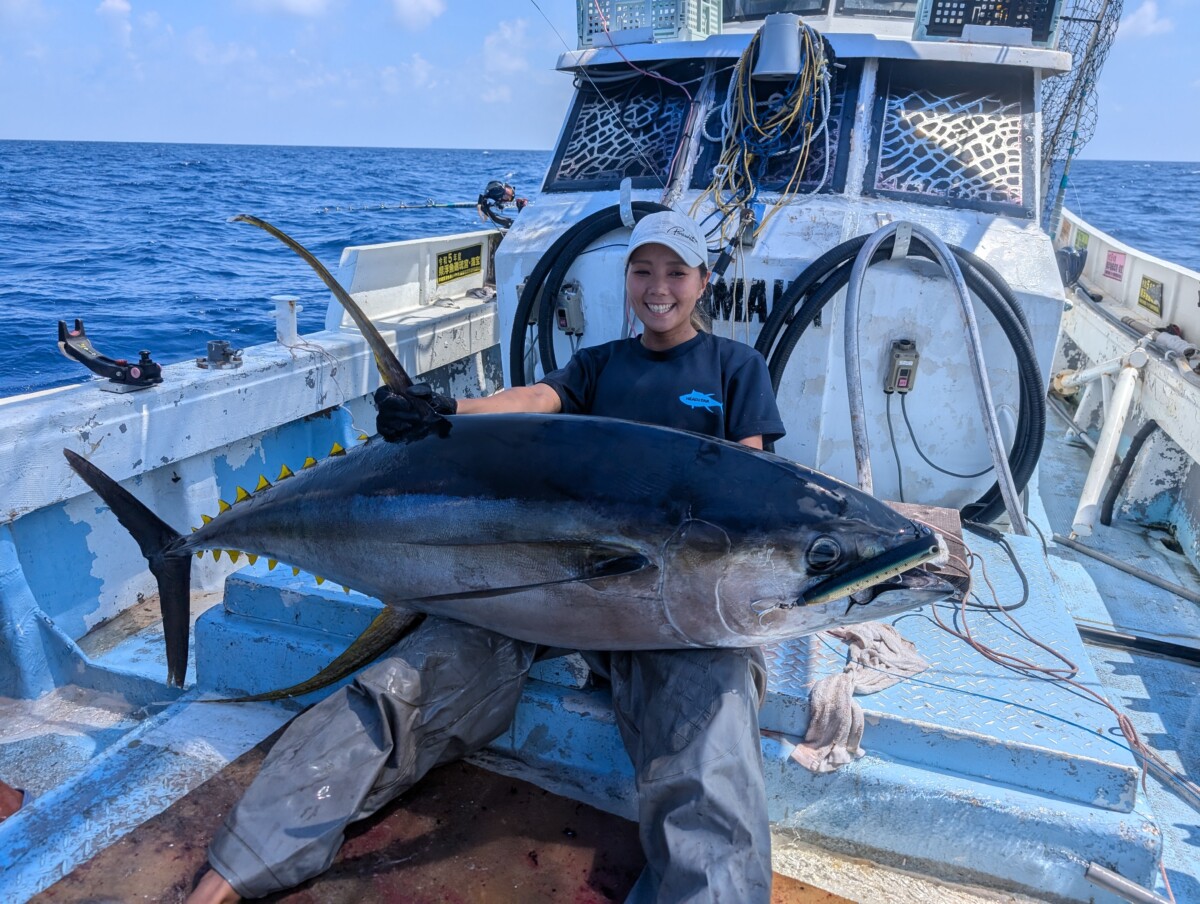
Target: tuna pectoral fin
156, 539
389, 628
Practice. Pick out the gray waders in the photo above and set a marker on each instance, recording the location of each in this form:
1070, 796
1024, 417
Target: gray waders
689, 719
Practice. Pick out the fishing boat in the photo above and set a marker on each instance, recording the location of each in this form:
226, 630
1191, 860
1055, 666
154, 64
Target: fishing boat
872, 179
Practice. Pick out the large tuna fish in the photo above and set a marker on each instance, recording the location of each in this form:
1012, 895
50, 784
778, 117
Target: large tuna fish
574, 532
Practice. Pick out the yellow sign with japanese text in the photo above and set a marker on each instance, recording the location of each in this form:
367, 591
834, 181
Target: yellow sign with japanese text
459, 263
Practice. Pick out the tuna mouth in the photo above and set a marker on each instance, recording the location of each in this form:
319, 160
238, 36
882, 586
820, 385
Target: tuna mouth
878, 570
916, 583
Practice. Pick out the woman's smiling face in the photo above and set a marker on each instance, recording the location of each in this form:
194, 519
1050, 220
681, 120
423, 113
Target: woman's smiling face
663, 291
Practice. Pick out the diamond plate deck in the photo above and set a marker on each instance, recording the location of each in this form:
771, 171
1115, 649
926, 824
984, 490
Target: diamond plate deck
969, 715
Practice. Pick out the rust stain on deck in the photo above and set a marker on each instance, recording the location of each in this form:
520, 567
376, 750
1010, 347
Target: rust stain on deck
463, 835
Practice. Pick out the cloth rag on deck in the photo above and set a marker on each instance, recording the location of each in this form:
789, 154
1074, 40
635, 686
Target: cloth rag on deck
879, 658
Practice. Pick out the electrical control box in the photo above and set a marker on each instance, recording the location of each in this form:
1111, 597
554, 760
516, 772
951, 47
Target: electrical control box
568, 314
902, 366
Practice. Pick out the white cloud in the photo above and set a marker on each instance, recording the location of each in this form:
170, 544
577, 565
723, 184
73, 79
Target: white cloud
17, 8
203, 50
117, 13
21, 10
505, 49
499, 94
418, 13
1144, 22
416, 73
305, 8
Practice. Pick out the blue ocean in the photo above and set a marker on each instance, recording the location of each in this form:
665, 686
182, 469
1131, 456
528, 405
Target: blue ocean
134, 239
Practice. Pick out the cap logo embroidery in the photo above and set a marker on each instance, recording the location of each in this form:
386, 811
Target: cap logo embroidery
680, 232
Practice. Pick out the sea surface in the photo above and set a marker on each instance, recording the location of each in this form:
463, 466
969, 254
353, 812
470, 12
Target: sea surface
134, 239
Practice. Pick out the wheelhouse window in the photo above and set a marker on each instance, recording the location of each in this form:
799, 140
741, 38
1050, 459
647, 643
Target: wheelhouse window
823, 172
623, 124
897, 9
954, 135
741, 10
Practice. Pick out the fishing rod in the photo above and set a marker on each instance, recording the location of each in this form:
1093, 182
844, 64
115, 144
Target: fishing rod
429, 204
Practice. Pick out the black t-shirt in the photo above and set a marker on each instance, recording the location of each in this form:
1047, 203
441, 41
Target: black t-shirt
711, 385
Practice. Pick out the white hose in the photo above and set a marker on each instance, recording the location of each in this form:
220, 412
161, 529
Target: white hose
854, 392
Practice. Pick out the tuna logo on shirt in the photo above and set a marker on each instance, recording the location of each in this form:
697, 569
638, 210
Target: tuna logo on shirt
697, 399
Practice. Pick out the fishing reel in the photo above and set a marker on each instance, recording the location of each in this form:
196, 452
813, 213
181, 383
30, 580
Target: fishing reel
123, 376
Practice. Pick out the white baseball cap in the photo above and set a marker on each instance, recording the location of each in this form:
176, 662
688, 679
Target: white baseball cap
680, 233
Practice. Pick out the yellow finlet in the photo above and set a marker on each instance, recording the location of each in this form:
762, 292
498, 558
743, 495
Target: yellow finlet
337, 450
242, 496
362, 437
309, 462
284, 473
263, 483
216, 555
295, 571
271, 563
345, 589
234, 555
206, 518
251, 558
200, 554
223, 506
320, 580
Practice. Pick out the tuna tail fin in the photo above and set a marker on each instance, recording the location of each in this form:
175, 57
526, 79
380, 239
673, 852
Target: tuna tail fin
155, 538
385, 631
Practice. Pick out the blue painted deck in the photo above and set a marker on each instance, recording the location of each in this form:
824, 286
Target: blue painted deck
972, 772
1161, 696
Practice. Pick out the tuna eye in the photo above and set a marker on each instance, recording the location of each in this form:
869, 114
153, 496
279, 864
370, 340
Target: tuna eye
824, 553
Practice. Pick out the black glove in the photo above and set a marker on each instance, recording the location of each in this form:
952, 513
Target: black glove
412, 413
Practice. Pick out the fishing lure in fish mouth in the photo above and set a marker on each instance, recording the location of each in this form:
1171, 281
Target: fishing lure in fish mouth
879, 570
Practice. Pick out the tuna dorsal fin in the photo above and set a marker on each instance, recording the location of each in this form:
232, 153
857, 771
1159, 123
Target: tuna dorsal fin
385, 631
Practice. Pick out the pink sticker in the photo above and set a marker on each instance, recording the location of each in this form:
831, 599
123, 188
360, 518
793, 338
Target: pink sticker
1114, 265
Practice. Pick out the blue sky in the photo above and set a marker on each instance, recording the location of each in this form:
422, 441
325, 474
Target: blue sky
421, 73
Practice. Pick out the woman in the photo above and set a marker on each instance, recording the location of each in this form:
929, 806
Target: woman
689, 718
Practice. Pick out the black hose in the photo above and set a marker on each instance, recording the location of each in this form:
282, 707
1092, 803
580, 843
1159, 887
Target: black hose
545, 281
1137, 643
814, 274
1118, 480
828, 274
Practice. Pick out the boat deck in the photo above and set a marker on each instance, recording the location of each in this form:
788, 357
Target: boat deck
463, 828
1159, 694
990, 766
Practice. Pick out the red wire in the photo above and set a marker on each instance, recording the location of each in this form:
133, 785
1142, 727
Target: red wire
630, 63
